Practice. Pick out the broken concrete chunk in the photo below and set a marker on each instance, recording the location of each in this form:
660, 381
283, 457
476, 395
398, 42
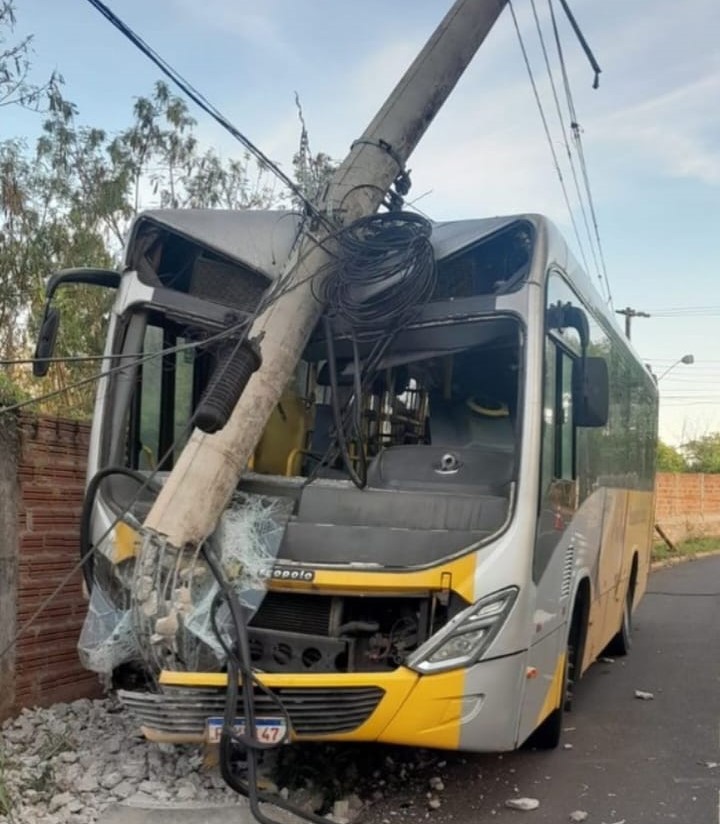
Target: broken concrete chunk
578, 815
525, 804
644, 696
168, 625
143, 588
436, 783
434, 803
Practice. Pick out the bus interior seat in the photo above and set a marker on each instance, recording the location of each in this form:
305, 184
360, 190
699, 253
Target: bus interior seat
456, 424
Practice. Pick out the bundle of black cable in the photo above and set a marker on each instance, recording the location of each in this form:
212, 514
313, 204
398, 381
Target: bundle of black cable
384, 271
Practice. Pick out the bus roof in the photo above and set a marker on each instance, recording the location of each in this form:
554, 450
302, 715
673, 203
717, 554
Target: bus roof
262, 240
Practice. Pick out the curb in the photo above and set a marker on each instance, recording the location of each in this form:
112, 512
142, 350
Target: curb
682, 559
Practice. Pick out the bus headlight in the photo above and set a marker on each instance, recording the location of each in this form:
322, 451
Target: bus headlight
464, 639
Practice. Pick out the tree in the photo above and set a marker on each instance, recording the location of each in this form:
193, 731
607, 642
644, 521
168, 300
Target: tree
669, 459
70, 202
15, 85
703, 454
69, 199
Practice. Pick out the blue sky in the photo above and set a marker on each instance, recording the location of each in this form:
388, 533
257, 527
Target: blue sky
651, 131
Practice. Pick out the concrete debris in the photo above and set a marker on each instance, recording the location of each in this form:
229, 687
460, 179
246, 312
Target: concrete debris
567, 746
578, 815
606, 660
436, 783
644, 696
434, 803
68, 764
525, 804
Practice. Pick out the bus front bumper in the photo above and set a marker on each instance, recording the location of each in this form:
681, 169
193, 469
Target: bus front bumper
471, 709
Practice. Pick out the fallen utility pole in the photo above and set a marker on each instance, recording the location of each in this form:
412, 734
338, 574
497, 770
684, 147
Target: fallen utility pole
207, 472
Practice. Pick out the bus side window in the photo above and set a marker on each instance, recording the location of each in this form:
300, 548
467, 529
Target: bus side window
565, 439
558, 457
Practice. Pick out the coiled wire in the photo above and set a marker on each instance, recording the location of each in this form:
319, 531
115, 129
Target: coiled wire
383, 273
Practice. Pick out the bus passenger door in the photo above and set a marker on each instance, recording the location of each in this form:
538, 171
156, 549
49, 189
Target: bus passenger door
561, 538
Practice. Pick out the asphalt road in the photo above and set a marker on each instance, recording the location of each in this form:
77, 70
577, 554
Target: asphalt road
630, 760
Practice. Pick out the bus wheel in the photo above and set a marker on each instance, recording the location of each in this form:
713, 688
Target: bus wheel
547, 736
620, 643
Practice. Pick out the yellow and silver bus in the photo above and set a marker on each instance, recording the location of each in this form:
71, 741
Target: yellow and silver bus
500, 540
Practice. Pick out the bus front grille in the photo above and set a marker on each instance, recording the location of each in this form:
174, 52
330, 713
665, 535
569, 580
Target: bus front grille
312, 710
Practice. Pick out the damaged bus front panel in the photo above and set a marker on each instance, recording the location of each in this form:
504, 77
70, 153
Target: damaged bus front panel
402, 610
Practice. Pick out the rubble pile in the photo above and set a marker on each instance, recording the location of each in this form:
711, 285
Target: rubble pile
71, 761
68, 763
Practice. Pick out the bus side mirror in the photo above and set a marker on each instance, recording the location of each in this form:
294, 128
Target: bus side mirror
107, 278
591, 392
46, 341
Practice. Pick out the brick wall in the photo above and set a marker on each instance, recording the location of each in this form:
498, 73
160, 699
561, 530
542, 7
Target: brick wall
50, 458
688, 505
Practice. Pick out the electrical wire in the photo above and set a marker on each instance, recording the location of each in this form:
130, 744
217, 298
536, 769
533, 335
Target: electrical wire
240, 670
546, 129
575, 127
566, 142
60, 359
200, 100
278, 289
135, 361
383, 274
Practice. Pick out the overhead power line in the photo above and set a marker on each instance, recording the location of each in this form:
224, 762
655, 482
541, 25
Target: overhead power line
546, 129
566, 142
200, 100
630, 313
575, 125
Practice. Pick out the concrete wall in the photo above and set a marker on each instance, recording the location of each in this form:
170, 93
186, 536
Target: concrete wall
42, 470
688, 505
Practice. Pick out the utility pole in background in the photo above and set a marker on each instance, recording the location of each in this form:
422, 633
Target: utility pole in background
629, 315
206, 474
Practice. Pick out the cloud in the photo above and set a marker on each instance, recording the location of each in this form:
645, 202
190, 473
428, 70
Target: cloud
254, 23
677, 130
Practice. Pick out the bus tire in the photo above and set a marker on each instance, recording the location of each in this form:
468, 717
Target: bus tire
621, 642
547, 736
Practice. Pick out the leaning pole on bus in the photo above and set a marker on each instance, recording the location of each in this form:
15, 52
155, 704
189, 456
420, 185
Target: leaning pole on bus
201, 483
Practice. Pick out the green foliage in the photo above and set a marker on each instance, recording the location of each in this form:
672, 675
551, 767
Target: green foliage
312, 171
15, 85
68, 201
703, 454
670, 459
685, 549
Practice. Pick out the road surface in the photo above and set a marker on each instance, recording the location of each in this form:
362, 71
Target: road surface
630, 760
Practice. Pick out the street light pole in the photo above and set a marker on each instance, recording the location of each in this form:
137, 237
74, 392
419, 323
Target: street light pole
687, 359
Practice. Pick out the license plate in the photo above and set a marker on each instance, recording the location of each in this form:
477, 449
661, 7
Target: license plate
268, 730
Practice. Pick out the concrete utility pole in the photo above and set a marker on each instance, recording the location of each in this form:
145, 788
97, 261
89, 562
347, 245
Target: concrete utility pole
206, 474
629, 315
